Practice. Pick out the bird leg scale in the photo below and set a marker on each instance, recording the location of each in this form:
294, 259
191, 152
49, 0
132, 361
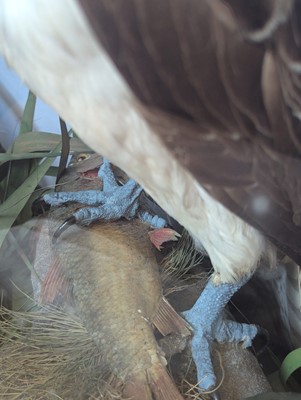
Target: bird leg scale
208, 321
110, 204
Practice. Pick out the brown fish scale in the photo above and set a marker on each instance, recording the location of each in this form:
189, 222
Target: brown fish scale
117, 292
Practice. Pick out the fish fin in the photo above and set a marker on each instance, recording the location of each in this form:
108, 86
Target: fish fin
161, 384
168, 320
55, 283
162, 235
137, 388
153, 384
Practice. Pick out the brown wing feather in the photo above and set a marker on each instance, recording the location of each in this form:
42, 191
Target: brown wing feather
220, 82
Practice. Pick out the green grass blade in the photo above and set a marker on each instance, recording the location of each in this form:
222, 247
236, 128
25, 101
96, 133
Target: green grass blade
24, 156
45, 141
19, 170
290, 364
26, 124
53, 171
12, 207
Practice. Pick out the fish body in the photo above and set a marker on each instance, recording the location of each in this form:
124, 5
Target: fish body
117, 293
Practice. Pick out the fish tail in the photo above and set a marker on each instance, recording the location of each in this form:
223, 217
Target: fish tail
153, 384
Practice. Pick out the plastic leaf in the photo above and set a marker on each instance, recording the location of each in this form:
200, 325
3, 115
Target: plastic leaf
290, 364
12, 207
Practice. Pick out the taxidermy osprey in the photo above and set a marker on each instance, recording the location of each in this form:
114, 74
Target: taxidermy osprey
199, 101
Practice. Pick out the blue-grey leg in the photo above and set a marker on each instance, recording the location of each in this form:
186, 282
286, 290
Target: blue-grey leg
209, 323
153, 220
112, 203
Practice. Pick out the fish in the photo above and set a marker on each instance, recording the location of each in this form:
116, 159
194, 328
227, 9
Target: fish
117, 293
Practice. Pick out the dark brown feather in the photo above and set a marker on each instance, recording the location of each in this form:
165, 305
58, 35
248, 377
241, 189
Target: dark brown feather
220, 83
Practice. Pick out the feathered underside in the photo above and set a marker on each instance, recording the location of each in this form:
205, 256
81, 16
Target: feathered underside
220, 82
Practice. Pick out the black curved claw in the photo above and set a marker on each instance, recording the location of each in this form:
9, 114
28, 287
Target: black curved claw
39, 206
261, 341
65, 225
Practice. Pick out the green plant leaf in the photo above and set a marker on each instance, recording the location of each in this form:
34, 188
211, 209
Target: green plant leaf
37, 144
52, 171
12, 207
19, 170
24, 156
290, 364
26, 124
45, 141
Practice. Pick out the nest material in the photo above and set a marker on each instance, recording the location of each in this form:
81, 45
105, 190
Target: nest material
175, 266
48, 354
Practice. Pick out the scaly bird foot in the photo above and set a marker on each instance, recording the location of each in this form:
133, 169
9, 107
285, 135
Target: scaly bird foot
209, 323
112, 203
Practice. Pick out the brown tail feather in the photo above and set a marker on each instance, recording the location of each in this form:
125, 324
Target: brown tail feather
155, 384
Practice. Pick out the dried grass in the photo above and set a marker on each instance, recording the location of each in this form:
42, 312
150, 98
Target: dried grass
48, 354
176, 265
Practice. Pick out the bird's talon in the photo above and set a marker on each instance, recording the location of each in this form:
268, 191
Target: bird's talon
63, 227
